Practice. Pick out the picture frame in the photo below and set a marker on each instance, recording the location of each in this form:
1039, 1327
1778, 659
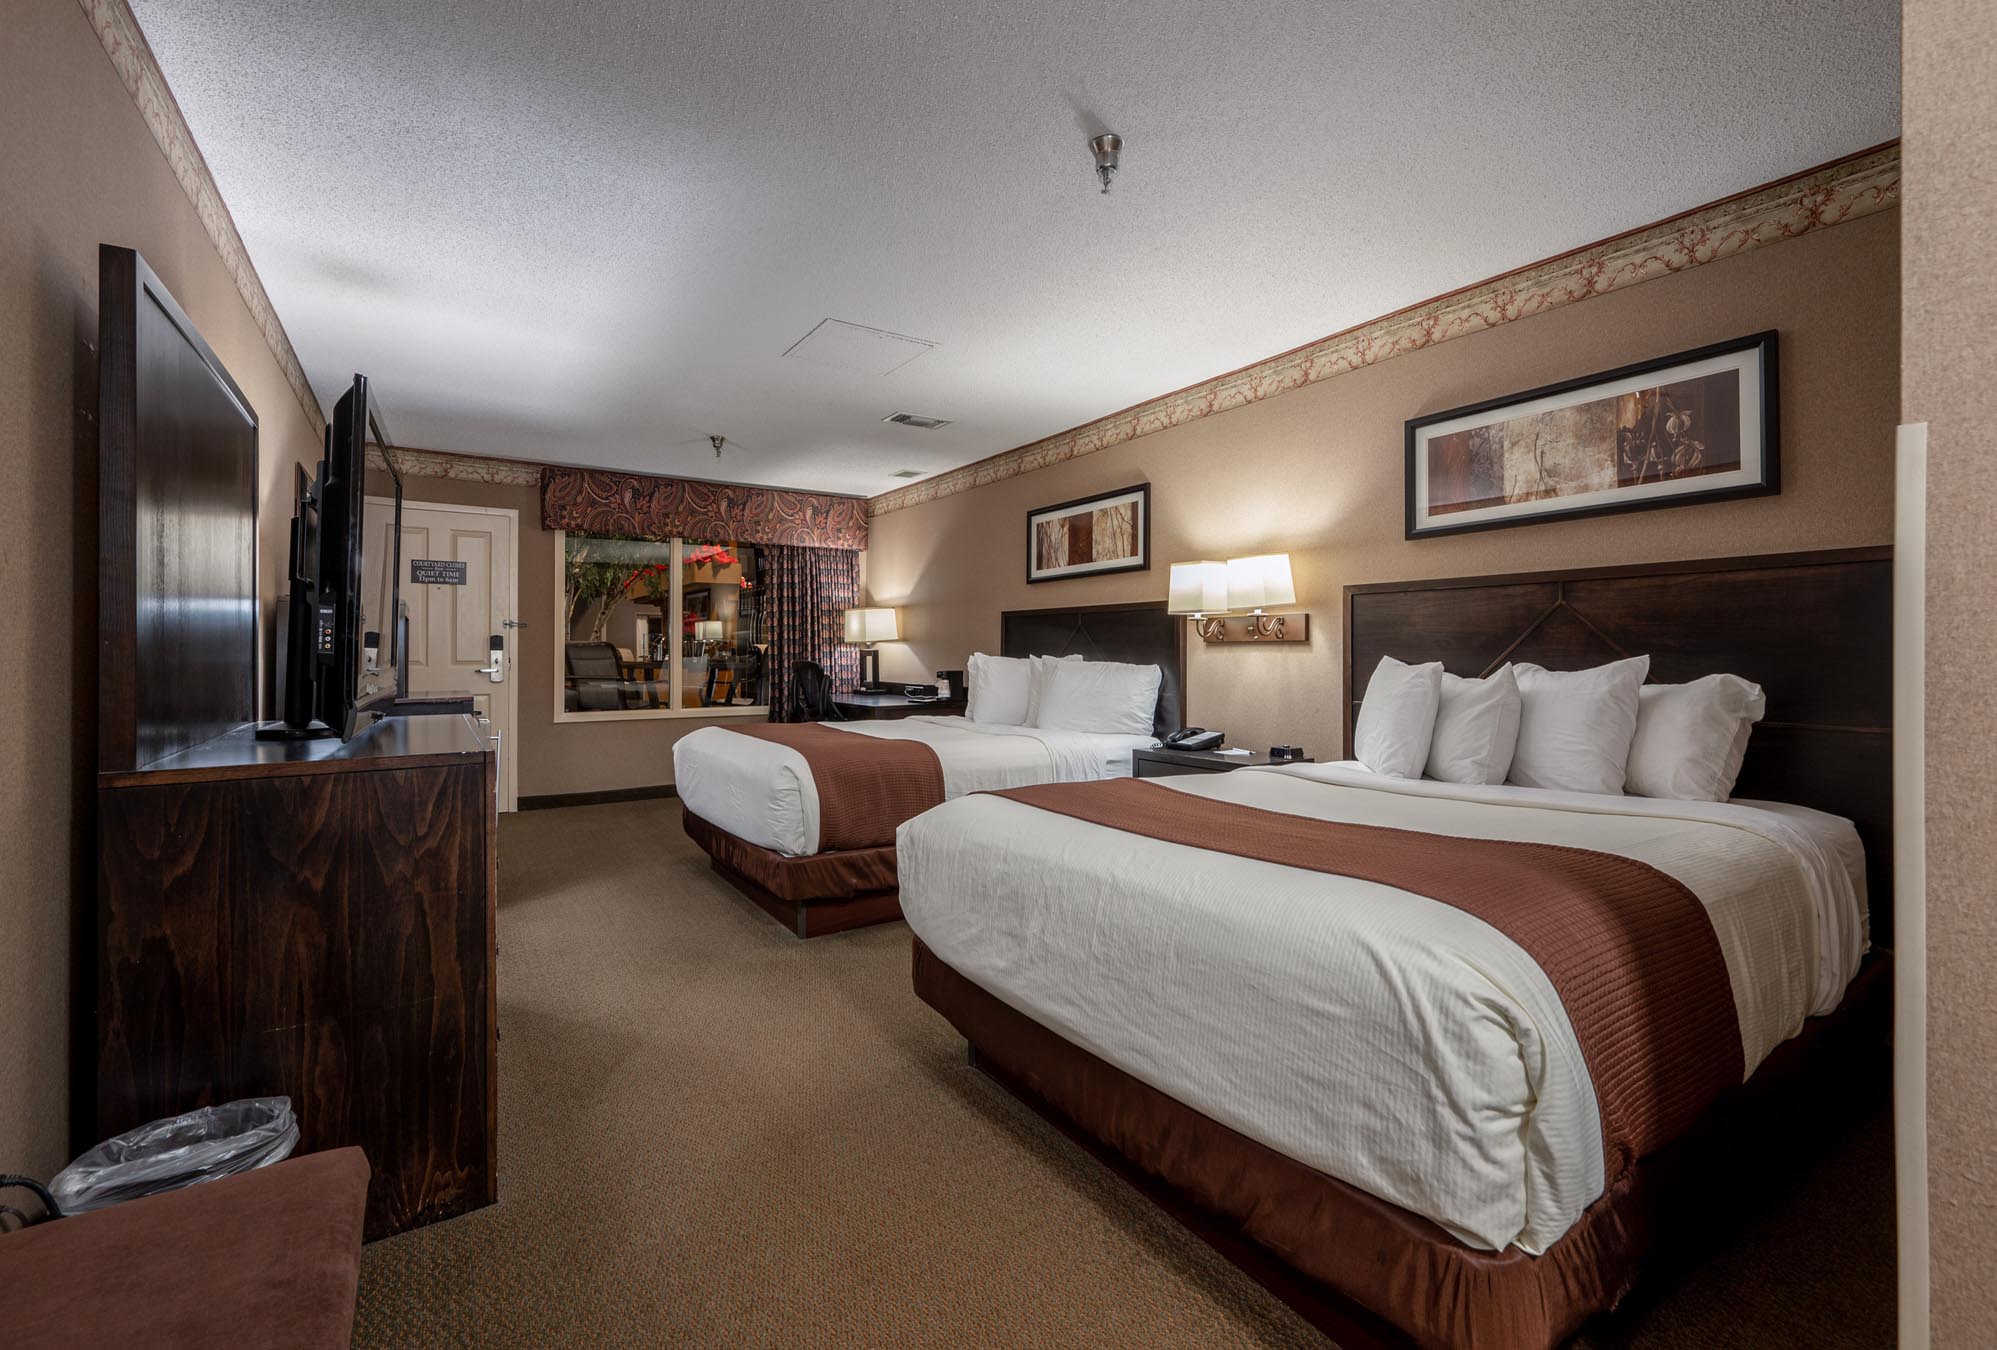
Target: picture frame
1098, 535
1696, 426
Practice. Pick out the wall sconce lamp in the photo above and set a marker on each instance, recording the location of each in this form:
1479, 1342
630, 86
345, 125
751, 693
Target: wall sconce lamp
866, 627
1212, 594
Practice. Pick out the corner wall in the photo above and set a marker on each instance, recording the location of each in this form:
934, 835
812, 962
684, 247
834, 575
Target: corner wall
1950, 382
1318, 473
80, 169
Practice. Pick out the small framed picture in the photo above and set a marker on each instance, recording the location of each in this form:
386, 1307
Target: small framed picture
1699, 426
1090, 536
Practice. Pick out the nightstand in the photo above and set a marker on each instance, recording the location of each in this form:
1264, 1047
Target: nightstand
1163, 763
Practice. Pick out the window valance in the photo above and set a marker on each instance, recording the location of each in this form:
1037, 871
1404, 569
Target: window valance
600, 502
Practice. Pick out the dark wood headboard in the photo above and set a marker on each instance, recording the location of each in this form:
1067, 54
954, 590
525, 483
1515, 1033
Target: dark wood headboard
1140, 633
1814, 630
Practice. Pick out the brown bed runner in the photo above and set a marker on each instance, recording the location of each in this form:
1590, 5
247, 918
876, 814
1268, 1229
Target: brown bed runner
867, 785
1628, 949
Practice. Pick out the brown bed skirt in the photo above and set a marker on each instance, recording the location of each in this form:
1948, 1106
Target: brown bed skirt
814, 895
1357, 1266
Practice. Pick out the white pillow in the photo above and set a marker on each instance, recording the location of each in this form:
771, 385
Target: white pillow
1476, 728
1000, 688
1037, 671
1691, 738
1575, 726
1397, 717
1101, 696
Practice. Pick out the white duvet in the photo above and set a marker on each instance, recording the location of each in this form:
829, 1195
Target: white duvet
1384, 1038
763, 792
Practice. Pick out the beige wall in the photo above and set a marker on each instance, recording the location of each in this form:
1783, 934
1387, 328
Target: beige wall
558, 757
80, 169
1950, 382
1318, 473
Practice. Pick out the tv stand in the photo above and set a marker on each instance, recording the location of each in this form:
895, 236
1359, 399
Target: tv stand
284, 731
311, 918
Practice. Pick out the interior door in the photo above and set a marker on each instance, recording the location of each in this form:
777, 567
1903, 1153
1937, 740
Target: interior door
463, 614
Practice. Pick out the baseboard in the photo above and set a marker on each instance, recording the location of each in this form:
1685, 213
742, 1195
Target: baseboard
636, 794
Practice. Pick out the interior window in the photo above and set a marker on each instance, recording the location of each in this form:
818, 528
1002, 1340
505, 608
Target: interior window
721, 638
660, 625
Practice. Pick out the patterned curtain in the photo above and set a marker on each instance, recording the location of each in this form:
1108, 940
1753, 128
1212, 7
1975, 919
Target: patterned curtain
807, 592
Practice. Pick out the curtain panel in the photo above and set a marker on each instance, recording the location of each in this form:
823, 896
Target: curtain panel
807, 592
598, 502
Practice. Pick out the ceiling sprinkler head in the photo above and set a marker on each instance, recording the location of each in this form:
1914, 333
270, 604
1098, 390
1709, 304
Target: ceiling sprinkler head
1105, 148
716, 442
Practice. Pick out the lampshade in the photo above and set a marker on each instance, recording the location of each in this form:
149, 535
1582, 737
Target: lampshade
1198, 588
709, 630
871, 625
1260, 581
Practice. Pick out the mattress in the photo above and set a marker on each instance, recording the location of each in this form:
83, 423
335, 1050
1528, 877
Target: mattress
1385, 1039
763, 792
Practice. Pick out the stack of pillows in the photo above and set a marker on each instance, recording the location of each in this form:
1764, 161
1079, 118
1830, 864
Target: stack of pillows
1602, 730
1063, 693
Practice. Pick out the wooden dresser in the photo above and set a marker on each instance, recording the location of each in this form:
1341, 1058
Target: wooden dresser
312, 919
306, 918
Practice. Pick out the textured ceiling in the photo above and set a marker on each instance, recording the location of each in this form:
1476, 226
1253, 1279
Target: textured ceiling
588, 231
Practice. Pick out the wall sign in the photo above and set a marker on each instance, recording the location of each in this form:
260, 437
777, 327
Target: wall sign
437, 572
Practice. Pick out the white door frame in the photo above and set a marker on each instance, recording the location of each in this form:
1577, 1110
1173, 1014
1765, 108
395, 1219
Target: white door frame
509, 749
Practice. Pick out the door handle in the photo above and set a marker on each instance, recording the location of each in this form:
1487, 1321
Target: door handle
497, 670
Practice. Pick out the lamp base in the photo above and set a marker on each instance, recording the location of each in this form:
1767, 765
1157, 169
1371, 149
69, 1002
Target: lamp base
1255, 627
870, 668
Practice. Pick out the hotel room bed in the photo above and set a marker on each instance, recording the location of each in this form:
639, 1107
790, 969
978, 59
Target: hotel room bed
822, 859
763, 793
1439, 1119
1387, 1039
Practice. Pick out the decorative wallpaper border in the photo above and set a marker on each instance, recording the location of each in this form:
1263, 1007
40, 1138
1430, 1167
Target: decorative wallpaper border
462, 468
125, 43
1815, 199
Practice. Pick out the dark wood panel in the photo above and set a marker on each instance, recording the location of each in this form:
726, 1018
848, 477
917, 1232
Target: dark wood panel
177, 520
1814, 630
325, 936
1140, 633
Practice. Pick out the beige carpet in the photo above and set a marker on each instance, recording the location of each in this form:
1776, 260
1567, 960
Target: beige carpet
713, 1134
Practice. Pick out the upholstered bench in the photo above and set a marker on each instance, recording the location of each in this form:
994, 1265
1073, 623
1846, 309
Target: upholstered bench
267, 1258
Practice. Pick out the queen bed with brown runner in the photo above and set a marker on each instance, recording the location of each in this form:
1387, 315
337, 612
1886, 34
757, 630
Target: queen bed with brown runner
801, 818
1427, 1056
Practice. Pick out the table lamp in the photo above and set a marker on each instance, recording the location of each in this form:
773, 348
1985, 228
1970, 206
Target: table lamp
867, 626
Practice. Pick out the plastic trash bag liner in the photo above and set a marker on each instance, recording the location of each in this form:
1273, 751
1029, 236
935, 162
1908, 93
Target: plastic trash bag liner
215, 1141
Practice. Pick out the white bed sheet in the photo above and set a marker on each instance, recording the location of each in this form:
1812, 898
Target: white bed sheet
763, 792
1384, 1038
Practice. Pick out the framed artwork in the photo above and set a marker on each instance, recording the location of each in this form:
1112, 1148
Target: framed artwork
1090, 536
1699, 426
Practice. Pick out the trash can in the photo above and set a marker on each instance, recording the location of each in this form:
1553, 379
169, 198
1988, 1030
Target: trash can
215, 1141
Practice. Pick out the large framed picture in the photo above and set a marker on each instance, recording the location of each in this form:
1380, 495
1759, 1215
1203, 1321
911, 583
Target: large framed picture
1696, 427
1090, 536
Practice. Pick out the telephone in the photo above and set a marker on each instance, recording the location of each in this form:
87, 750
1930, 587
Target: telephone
1194, 738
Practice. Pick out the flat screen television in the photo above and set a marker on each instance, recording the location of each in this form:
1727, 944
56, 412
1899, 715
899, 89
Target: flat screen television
337, 662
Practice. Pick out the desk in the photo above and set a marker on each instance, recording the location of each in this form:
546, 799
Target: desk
857, 707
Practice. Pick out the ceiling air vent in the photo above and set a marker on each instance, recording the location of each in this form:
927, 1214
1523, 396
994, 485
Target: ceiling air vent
906, 473
917, 420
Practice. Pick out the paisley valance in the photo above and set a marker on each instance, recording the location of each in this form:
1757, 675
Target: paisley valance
600, 502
